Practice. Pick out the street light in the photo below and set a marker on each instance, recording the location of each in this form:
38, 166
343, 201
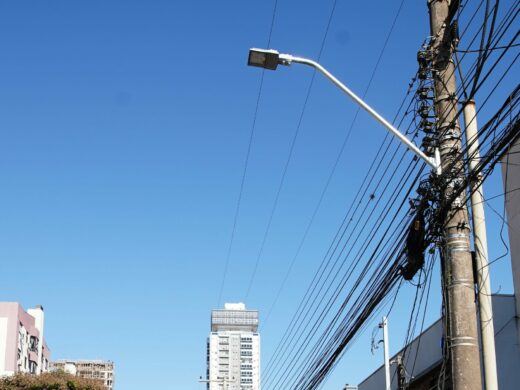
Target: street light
270, 59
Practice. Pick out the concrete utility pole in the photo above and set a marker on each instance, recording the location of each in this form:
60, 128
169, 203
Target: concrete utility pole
460, 294
487, 330
384, 325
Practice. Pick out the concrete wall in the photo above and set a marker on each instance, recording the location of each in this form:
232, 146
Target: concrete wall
511, 179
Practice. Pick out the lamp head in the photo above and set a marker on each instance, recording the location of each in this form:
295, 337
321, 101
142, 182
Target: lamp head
262, 58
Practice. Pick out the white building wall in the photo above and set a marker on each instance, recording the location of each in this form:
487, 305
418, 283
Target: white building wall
508, 351
3, 347
234, 355
511, 179
39, 318
70, 368
23, 346
213, 360
256, 361
234, 361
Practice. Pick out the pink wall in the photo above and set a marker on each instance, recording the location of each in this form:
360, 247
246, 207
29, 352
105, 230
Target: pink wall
15, 314
46, 351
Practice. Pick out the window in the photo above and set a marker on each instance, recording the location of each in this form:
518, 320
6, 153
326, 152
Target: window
33, 344
223, 340
32, 367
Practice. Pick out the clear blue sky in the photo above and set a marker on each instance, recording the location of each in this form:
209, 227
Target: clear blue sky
124, 127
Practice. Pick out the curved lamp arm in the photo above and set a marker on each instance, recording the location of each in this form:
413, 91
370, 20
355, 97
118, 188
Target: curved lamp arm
270, 59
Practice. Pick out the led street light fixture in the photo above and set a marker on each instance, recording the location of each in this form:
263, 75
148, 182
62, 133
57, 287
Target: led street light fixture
267, 59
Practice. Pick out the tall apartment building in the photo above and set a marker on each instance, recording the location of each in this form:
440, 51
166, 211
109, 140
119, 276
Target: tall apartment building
100, 370
22, 346
233, 349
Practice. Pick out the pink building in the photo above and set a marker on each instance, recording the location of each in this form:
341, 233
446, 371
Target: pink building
22, 346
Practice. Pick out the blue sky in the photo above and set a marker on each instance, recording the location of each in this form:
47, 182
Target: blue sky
124, 128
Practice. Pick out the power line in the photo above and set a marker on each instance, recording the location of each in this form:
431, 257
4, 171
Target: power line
289, 157
246, 164
335, 165
500, 143
331, 345
322, 373
356, 203
337, 271
298, 316
490, 49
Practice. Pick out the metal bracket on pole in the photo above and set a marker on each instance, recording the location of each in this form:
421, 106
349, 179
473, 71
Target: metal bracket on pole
384, 325
437, 158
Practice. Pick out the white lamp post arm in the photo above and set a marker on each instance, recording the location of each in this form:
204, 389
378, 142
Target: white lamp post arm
434, 162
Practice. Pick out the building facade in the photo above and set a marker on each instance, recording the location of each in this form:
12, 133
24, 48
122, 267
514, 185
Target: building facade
22, 346
511, 179
233, 349
100, 370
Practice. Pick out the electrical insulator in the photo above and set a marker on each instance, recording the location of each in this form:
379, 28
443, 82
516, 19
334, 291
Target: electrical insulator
426, 126
423, 57
423, 93
428, 143
424, 111
423, 74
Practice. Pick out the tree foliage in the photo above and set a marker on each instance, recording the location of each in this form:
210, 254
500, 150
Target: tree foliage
49, 381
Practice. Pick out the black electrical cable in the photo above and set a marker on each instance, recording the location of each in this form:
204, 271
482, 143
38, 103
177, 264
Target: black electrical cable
289, 157
336, 163
307, 295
